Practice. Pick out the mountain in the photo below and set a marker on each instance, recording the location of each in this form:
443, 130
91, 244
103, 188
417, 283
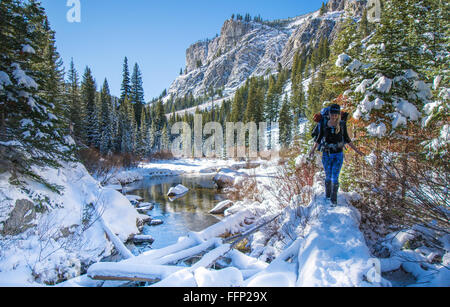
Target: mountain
246, 49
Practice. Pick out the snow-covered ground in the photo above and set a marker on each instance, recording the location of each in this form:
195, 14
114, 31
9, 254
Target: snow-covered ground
62, 232
314, 244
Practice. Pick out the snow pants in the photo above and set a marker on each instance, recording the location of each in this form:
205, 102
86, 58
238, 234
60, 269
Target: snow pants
332, 163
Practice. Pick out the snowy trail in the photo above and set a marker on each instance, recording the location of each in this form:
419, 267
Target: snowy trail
331, 252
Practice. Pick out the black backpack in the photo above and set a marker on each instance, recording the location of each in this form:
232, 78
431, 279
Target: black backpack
322, 120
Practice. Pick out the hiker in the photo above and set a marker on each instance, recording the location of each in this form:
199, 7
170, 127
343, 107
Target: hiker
331, 138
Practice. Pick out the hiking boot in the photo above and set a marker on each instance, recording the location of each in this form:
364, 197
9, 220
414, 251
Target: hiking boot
327, 190
334, 193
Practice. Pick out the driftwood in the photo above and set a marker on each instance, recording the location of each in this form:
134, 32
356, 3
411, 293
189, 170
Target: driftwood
153, 266
127, 272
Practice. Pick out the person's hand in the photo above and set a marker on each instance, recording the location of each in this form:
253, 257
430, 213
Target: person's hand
311, 156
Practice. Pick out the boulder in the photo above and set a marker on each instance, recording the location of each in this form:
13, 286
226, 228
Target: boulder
177, 191
155, 222
221, 207
20, 218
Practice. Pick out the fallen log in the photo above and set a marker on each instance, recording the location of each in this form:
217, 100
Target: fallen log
130, 272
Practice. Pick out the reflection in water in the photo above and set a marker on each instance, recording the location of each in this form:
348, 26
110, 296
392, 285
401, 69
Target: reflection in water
188, 213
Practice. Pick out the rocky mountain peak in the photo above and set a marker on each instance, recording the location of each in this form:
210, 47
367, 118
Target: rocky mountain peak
246, 49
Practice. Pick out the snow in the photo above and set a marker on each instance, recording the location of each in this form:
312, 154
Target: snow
397, 120
342, 60
408, 110
228, 277
4, 80
325, 247
22, 78
43, 248
354, 66
221, 207
377, 130
28, 49
178, 190
361, 88
382, 85
436, 82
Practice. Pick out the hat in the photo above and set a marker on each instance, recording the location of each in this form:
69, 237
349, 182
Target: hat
335, 109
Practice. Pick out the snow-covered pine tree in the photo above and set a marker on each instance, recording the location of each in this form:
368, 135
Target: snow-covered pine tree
435, 64
389, 91
33, 128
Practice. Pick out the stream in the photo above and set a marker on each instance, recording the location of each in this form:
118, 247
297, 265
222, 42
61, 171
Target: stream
187, 213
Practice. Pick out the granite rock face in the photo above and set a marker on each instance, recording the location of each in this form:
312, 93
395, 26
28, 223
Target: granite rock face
246, 49
20, 218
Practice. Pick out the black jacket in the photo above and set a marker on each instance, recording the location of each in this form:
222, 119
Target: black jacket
332, 142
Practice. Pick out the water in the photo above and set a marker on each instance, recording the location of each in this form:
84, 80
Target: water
185, 214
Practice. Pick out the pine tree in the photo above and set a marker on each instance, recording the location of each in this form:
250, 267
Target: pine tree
88, 97
323, 9
106, 129
364, 26
285, 124
125, 88
76, 110
137, 94
33, 125
253, 112
238, 107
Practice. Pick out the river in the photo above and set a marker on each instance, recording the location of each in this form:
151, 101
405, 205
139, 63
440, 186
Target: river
180, 216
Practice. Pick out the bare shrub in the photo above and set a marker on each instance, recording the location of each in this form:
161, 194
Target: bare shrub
245, 189
161, 155
292, 180
105, 167
405, 189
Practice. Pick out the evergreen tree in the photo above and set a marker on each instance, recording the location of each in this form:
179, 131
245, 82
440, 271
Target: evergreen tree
285, 124
323, 9
76, 112
88, 97
33, 126
125, 88
253, 112
238, 107
137, 94
106, 127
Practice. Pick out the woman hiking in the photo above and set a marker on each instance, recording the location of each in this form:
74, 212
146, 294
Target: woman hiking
331, 140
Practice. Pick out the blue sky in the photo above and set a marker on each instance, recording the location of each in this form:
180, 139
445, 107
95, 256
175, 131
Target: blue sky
155, 34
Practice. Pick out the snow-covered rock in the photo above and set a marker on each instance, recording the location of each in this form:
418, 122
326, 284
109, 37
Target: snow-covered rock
221, 207
177, 191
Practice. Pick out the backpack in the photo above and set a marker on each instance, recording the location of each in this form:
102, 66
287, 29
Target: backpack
322, 119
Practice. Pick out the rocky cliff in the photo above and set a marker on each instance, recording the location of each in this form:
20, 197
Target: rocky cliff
245, 49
